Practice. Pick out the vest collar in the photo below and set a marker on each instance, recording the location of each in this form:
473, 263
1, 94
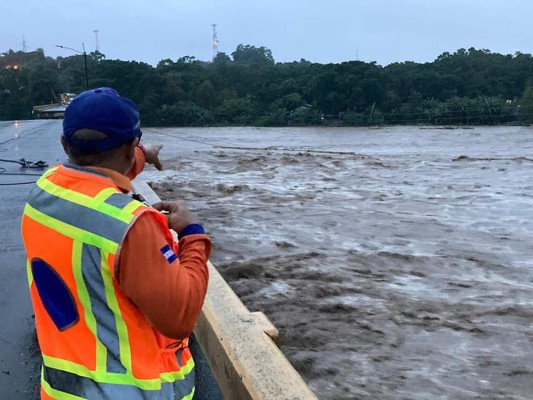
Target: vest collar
119, 180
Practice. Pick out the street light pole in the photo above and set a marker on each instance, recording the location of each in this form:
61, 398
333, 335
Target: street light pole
84, 60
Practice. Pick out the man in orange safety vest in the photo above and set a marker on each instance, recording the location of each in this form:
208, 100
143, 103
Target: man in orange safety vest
115, 296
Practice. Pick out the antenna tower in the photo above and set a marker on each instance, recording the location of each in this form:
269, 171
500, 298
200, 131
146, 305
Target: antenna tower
215, 41
24, 43
96, 35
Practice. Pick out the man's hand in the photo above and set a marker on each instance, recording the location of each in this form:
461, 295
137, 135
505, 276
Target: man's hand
151, 154
178, 216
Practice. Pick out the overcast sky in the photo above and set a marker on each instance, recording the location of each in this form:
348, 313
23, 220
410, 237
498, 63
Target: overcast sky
324, 31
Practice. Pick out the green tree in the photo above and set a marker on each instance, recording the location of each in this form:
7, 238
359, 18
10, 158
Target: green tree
206, 95
184, 113
252, 56
240, 111
526, 105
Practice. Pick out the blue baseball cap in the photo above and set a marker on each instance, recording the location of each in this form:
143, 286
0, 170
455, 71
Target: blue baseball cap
102, 110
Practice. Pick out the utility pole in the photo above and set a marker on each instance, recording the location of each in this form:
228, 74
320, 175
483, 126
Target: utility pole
215, 41
96, 35
84, 53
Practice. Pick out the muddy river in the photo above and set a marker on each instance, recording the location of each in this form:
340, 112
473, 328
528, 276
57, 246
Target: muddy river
397, 263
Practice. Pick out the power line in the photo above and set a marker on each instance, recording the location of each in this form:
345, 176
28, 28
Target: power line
17, 183
188, 139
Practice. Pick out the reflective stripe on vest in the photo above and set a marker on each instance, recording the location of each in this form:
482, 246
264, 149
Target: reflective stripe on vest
101, 222
61, 384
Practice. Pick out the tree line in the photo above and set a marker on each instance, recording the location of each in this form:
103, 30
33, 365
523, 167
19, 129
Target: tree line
467, 87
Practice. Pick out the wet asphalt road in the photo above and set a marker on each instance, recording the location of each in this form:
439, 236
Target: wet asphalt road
19, 355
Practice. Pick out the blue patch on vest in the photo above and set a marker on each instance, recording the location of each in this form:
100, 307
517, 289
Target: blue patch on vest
55, 295
168, 254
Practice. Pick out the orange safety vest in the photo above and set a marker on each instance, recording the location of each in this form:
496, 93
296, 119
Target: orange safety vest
95, 342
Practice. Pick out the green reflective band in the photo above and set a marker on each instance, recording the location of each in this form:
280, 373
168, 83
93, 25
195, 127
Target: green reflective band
178, 375
85, 300
65, 382
56, 394
71, 231
50, 171
86, 201
120, 379
130, 208
105, 194
190, 396
30, 274
112, 302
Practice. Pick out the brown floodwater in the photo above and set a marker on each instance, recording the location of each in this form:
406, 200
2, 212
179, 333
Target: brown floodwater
397, 263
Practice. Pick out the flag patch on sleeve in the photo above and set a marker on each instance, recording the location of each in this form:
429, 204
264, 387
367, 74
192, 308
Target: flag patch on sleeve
168, 254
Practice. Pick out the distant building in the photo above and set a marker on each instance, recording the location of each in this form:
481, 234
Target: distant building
49, 111
54, 110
